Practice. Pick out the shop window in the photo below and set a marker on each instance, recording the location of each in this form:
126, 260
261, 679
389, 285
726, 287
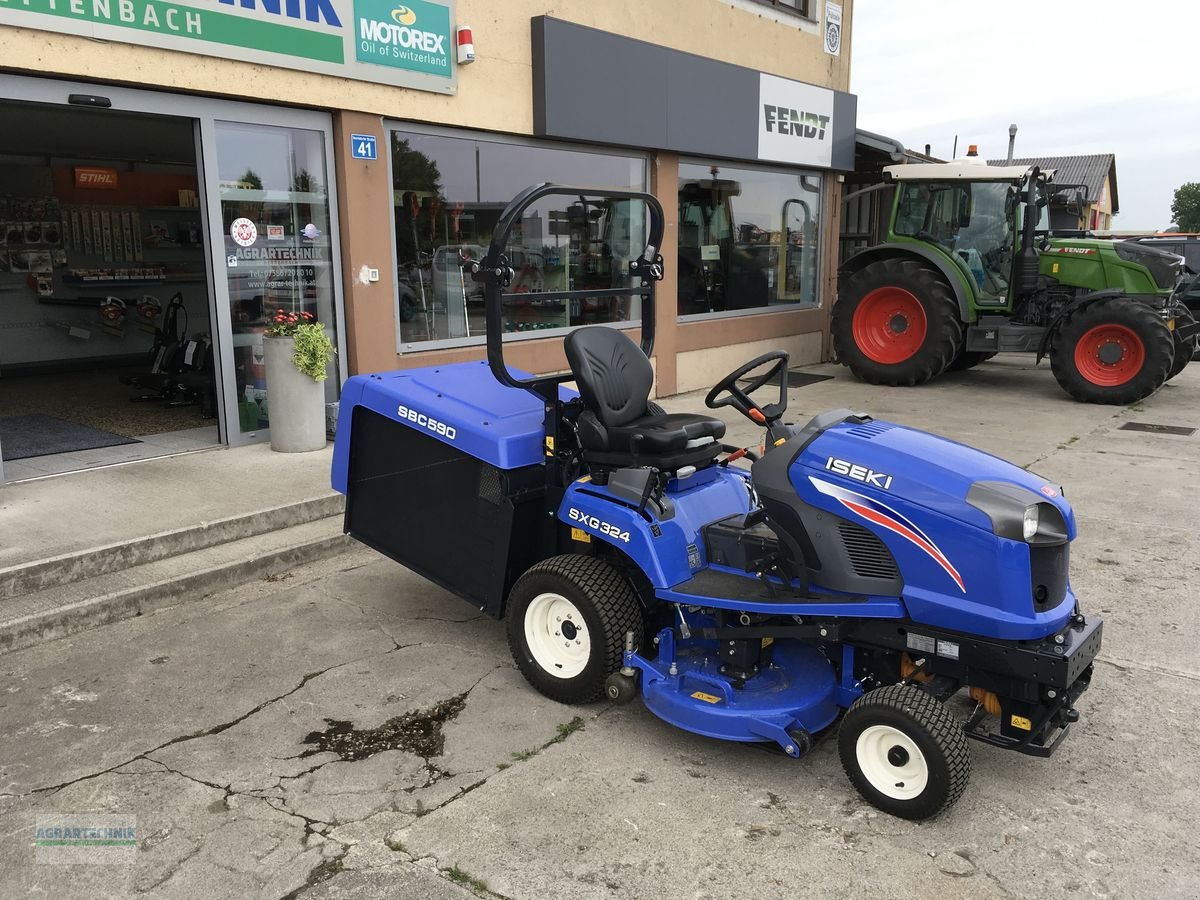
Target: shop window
748, 239
449, 193
799, 7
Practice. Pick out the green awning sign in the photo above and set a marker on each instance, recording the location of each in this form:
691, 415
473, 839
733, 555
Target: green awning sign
410, 44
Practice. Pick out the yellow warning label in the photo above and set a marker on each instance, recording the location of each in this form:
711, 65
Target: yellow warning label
767, 642
549, 446
1054, 269
578, 534
707, 698
1170, 324
1021, 722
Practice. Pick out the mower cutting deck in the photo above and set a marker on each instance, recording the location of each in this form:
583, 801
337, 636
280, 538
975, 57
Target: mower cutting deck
858, 565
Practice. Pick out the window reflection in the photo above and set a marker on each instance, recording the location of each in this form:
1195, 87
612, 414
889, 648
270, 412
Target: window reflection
748, 238
449, 193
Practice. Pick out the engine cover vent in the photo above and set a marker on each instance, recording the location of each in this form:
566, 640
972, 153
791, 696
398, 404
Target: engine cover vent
869, 556
869, 430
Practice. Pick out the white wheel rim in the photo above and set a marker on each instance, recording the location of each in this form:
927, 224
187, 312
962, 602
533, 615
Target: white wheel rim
892, 763
557, 635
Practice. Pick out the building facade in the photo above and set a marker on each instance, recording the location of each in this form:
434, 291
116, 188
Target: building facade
174, 174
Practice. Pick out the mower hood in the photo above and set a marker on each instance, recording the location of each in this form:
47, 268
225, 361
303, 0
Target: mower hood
928, 471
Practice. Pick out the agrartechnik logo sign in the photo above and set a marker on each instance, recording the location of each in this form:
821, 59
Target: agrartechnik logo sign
413, 35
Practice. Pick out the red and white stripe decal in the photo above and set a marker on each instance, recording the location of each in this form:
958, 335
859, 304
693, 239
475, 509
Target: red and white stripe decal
878, 513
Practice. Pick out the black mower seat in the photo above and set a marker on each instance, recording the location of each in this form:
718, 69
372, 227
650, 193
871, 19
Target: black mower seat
618, 426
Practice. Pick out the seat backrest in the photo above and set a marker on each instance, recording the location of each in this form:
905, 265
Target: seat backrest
613, 374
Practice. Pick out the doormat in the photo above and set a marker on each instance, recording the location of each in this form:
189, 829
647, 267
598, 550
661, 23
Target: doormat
37, 435
803, 379
799, 379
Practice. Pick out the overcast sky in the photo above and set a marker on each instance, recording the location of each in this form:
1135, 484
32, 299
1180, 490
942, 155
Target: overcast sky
1076, 77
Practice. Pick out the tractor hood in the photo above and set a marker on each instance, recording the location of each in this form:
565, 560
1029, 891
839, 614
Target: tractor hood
881, 459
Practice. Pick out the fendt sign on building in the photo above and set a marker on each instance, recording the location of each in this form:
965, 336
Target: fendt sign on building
409, 44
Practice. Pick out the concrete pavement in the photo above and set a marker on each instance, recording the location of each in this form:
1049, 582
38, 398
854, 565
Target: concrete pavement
347, 729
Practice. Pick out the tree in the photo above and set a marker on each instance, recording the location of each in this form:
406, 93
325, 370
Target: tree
1185, 208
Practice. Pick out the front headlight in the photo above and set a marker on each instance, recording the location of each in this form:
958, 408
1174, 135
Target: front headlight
1029, 524
1019, 514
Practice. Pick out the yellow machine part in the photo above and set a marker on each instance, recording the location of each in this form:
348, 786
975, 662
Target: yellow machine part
986, 699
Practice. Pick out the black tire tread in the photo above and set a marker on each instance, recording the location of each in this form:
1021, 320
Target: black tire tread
969, 359
939, 722
616, 605
943, 323
1160, 345
1183, 351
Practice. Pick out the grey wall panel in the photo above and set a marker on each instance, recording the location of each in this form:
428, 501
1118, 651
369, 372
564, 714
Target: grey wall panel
845, 123
711, 107
594, 86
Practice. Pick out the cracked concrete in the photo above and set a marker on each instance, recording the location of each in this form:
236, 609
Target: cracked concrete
195, 719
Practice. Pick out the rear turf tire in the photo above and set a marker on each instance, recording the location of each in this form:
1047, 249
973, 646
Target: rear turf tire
570, 662
896, 322
1114, 351
1184, 350
904, 751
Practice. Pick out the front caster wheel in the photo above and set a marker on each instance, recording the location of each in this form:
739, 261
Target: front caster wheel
620, 688
904, 751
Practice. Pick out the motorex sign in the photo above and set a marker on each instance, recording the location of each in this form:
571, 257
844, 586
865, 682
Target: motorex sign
407, 44
414, 36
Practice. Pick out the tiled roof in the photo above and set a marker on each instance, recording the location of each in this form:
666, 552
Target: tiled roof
1089, 170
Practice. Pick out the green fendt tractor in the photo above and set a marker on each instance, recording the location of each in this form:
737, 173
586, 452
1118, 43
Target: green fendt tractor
969, 269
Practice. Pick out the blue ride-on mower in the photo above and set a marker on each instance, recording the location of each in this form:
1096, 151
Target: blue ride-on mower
917, 585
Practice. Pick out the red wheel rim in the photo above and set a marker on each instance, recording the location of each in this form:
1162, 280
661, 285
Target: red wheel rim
889, 325
1110, 355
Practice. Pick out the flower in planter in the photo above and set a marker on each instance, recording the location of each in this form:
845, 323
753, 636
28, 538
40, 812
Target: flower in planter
313, 350
284, 323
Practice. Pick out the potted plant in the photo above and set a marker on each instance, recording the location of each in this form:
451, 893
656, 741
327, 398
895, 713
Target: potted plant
298, 352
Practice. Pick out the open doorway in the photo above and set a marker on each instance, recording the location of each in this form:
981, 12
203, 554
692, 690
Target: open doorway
106, 343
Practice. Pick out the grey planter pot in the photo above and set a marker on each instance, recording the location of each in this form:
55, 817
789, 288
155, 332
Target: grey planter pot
296, 402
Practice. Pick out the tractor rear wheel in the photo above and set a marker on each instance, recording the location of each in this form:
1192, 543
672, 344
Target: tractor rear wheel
904, 751
1112, 351
1184, 350
567, 619
896, 322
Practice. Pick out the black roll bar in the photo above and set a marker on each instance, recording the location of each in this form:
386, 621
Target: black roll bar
495, 273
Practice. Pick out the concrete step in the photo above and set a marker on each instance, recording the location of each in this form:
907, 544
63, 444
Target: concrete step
72, 567
65, 609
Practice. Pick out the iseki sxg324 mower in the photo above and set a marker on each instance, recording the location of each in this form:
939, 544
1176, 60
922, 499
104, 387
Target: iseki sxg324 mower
916, 585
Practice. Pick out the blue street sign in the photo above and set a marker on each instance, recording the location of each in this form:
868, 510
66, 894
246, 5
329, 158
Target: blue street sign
363, 146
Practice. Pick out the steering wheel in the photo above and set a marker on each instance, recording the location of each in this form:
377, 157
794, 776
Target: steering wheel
739, 397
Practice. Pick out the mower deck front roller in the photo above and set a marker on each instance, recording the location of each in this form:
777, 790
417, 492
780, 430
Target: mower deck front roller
567, 619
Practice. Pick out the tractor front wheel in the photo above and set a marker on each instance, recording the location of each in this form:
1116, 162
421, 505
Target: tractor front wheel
904, 751
567, 619
1112, 351
1184, 349
896, 322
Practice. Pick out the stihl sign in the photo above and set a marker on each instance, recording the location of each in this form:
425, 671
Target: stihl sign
95, 177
